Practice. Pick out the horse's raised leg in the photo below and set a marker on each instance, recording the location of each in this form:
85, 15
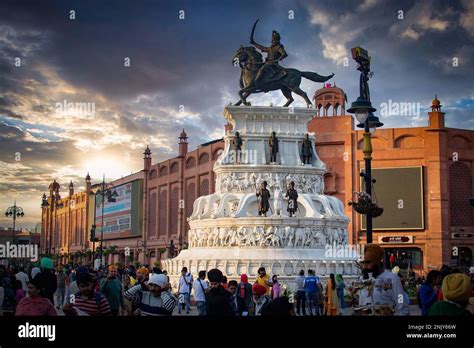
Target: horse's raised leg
303, 94
287, 93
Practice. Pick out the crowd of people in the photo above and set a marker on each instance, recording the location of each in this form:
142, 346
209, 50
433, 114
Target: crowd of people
46, 290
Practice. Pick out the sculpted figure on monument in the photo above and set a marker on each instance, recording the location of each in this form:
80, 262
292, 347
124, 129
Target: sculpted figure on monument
321, 238
289, 235
273, 143
308, 234
300, 237
259, 76
306, 149
237, 147
263, 196
292, 196
277, 203
267, 236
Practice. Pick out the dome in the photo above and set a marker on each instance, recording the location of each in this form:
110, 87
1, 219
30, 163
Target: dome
435, 104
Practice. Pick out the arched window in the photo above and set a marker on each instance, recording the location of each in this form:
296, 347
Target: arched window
204, 158
460, 190
191, 162
153, 174
153, 213
162, 212
174, 167
163, 171
204, 187
174, 202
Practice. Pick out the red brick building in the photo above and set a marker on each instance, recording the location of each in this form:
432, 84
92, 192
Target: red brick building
446, 158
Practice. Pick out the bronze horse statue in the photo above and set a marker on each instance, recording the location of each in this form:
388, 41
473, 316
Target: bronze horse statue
250, 61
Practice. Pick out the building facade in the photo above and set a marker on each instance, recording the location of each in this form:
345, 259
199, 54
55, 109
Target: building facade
65, 222
445, 157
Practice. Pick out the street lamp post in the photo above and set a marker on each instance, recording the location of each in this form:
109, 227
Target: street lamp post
15, 212
45, 205
104, 191
363, 110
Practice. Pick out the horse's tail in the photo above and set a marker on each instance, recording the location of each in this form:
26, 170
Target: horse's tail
315, 77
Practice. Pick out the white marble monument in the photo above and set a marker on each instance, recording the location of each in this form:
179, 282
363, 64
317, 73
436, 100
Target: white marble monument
225, 229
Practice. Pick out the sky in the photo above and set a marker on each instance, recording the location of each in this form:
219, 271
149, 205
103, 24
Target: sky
144, 70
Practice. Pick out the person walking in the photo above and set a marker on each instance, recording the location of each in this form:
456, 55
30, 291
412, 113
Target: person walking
340, 286
111, 288
218, 299
156, 301
200, 288
245, 291
456, 292
330, 295
300, 294
276, 288
35, 270
61, 286
320, 296
73, 288
263, 279
47, 279
428, 292
35, 304
236, 301
23, 278
260, 300
87, 302
185, 285
391, 290
310, 286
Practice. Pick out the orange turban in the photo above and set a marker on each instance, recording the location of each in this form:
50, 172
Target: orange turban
112, 268
373, 252
143, 271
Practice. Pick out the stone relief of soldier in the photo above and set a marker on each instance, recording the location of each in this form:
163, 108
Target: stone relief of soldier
292, 196
263, 196
307, 150
273, 143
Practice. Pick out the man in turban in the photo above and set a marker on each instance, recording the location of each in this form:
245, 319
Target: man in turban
456, 291
218, 299
155, 300
384, 289
47, 279
142, 276
260, 301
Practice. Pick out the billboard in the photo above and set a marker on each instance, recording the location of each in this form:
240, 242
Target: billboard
122, 215
399, 191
